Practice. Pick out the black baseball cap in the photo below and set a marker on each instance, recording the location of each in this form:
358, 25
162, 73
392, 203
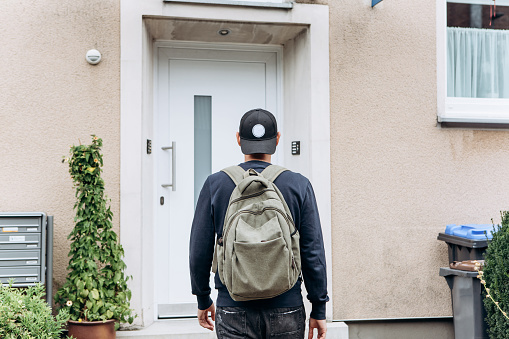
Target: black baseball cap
258, 132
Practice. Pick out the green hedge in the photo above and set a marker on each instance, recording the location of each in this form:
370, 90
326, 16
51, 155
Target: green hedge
25, 314
496, 277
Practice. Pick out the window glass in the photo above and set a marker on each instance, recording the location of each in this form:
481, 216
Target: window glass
477, 51
202, 142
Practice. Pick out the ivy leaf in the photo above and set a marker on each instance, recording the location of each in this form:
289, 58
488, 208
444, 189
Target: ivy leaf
84, 293
109, 314
95, 294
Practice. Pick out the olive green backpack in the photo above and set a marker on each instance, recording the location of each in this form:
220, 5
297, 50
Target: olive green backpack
258, 254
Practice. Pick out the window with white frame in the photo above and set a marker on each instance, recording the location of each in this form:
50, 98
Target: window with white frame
473, 61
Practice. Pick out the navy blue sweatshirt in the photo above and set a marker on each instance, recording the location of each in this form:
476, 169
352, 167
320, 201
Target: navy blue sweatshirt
208, 224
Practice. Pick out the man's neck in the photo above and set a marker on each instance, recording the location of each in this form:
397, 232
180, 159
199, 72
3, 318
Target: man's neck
258, 156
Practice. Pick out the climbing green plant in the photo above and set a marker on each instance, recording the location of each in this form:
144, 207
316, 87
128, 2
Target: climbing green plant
96, 286
495, 279
25, 314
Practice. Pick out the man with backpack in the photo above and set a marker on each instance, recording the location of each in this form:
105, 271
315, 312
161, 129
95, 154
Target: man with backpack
257, 226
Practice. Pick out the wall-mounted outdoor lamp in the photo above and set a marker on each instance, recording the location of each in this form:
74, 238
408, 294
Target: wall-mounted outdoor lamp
93, 57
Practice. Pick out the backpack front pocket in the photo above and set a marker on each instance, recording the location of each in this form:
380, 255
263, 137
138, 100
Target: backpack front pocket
260, 270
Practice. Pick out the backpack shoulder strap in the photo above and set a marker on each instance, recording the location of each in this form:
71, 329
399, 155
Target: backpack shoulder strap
236, 173
271, 172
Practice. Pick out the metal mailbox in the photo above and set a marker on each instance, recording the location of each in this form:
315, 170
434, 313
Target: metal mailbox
22, 241
23, 276
26, 249
20, 258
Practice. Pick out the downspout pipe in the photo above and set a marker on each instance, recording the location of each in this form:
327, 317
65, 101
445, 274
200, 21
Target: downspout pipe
49, 261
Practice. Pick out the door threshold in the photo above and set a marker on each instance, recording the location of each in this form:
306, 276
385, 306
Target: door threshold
176, 311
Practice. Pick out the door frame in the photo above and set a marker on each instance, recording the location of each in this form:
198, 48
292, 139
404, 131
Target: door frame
306, 101
203, 52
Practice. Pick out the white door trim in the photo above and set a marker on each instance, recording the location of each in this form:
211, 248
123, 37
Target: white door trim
307, 53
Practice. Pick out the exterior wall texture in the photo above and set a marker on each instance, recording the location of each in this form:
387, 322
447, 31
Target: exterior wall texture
397, 177
52, 98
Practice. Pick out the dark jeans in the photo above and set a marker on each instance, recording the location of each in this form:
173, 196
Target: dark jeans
254, 323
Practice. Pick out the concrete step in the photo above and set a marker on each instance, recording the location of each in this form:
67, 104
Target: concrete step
190, 329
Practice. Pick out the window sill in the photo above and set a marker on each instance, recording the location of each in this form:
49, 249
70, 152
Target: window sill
284, 5
475, 111
473, 120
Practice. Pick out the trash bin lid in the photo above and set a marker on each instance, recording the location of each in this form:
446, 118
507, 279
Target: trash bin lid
471, 231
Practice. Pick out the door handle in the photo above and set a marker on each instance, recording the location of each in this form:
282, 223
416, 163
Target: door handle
173, 165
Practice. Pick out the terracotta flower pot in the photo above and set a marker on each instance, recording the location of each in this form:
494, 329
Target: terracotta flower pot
92, 329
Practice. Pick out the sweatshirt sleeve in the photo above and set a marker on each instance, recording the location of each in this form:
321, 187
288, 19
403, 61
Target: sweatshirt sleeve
313, 255
201, 248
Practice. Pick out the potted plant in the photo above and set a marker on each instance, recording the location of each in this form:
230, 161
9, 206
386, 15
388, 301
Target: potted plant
95, 291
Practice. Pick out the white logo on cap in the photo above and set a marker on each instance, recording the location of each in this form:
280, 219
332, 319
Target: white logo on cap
258, 130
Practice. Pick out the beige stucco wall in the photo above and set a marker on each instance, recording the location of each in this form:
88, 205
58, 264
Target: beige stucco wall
52, 98
397, 178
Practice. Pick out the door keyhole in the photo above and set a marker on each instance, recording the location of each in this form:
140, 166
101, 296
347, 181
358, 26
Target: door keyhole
161, 200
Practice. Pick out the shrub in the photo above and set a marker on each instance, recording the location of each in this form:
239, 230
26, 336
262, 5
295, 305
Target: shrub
495, 277
24, 314
96, 286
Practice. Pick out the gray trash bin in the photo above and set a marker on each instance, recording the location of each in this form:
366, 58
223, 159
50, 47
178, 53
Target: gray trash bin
467, 303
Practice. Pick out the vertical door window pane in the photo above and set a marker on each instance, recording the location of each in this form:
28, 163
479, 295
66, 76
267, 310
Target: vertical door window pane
202, 142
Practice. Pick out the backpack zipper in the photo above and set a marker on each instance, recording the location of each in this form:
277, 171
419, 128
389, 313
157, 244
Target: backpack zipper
225, 233
251, 196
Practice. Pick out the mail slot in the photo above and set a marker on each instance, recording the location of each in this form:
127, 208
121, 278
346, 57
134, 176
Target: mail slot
20, 258
20, 275
19, 229
20, 225
14, 241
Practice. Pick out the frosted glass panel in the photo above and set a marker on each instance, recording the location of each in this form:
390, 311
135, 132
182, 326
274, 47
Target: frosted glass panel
202, 142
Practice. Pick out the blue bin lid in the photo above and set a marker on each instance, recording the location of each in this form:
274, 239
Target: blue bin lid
471, 231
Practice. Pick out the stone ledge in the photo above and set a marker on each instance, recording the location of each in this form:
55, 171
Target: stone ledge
190, 329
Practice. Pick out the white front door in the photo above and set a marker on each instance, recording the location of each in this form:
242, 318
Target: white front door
201, 96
